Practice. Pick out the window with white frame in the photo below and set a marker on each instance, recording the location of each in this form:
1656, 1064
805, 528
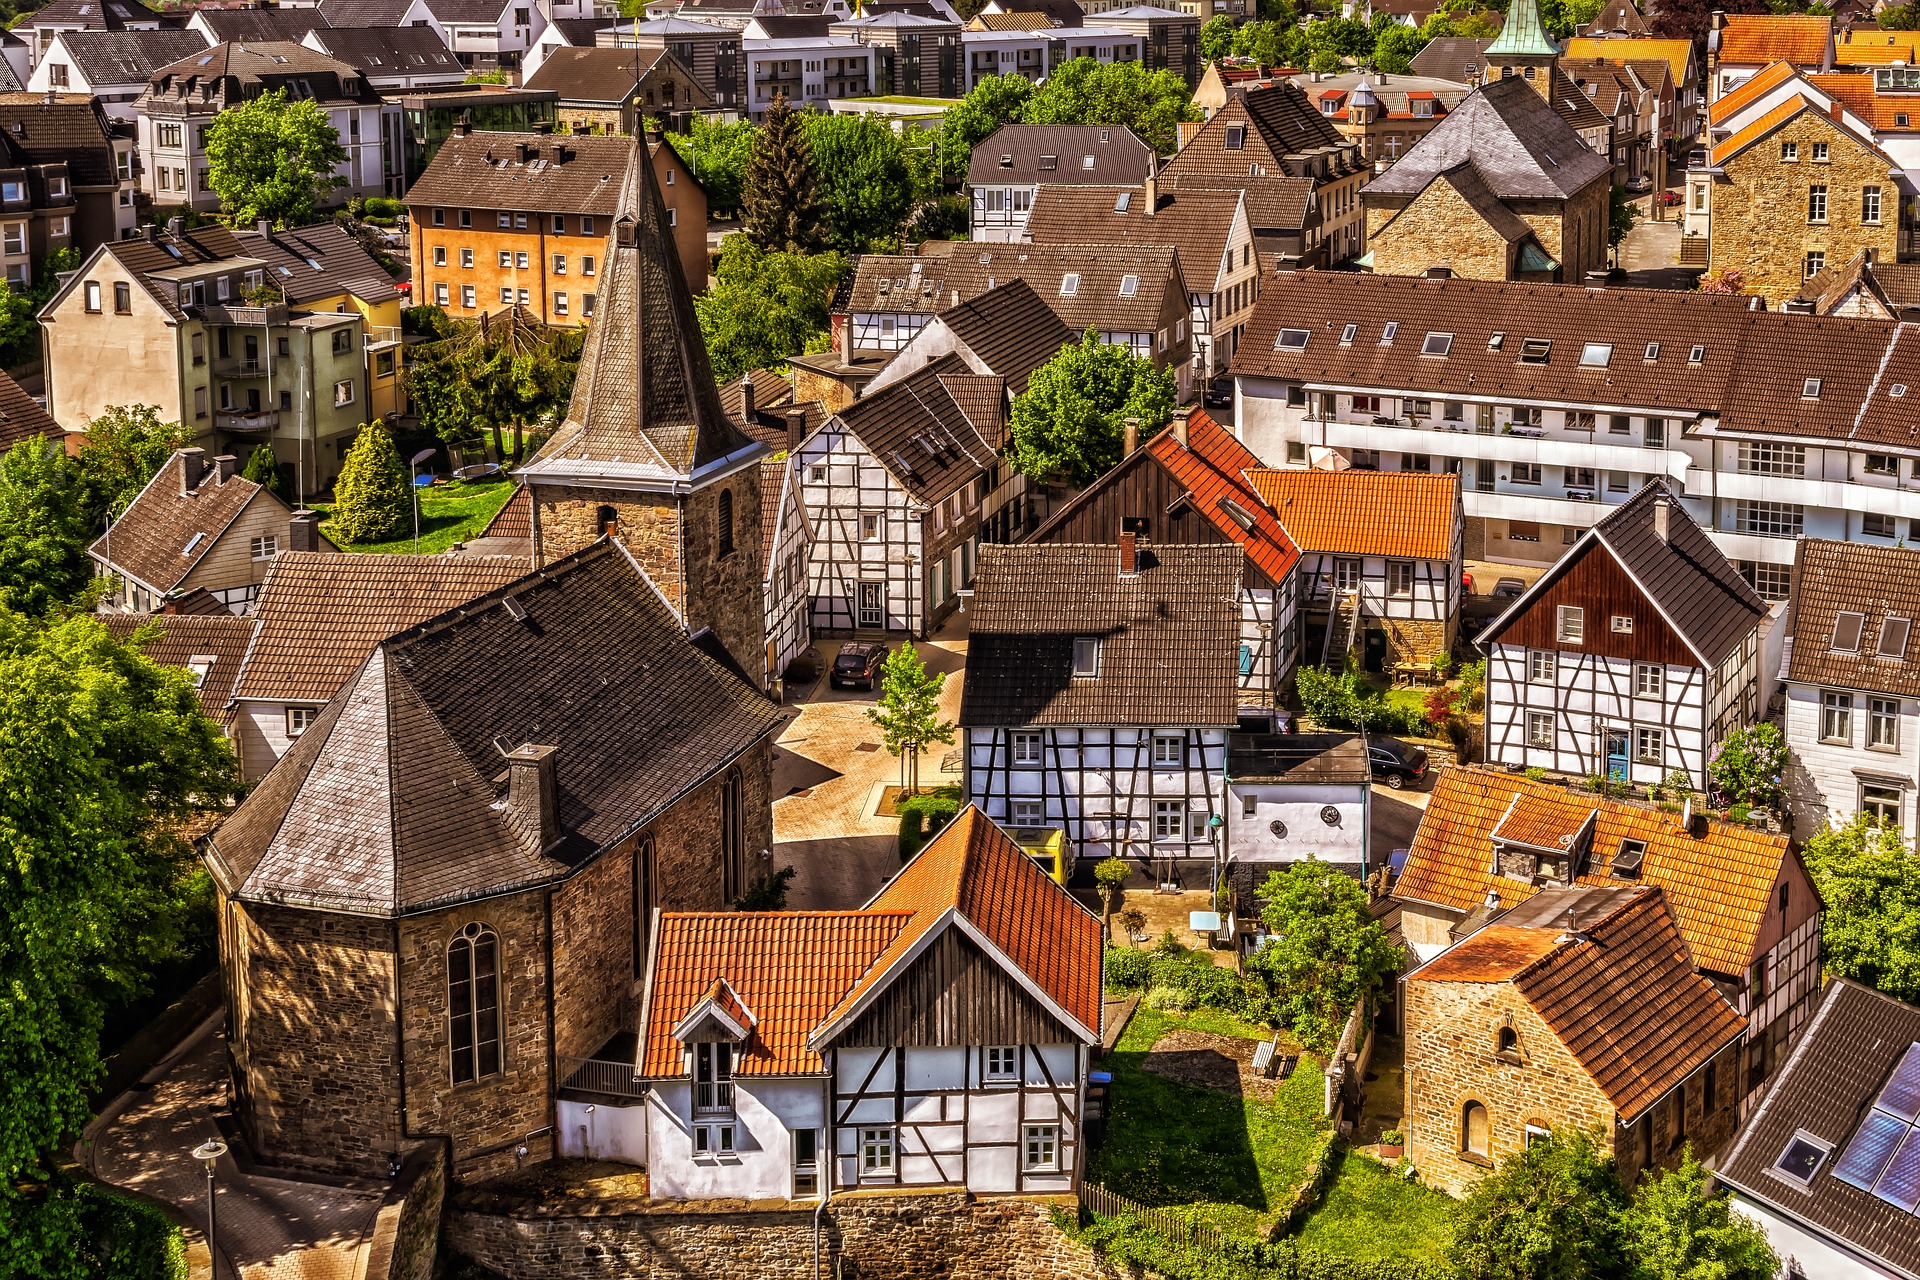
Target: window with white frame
1086, 656
1542, 666
343, 392
1649, 745
1003, 1061
1649, 679
712, 1077
1569, 623
1763, 459
1540, 729
1043, 1146
1769, 519
876, 1150
1028, 813
1169, 748
1836, 716
1169, 820
1027, 748
1399, 577
300, 719
1883, 724
1881, 803
264, 548
1526, 473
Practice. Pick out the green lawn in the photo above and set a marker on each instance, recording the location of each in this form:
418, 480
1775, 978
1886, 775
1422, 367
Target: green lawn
1231, 1162
449, 513
1370, 1213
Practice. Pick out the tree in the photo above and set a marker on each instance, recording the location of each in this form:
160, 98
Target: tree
909, 710
372, 501
765, 307
1751, 763
866, 187
125, 445
719, 155
263, 468
273, 158
1271, 44
43, 529
1328, 952
1340, 38
504, 370
1564, 18
1621, 215
1870, 887
1110, 876
1083, 91
994, 101
107, 756
1727, 280
1393, 49
1675, 1230
782, 194
1070, 423
1899, 17
1548, 1212
1216, 37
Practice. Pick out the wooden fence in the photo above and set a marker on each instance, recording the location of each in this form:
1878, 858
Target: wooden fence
1166, 1223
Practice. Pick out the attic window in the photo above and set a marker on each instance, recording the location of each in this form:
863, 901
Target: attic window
1129, 286
1121, 201
1086, 162
1696, 354
1893, 638
193, 543
1386, 334
1899, 119
1496, 340
1347, 334
200, 665
1106, 135
1236, 136
1653, 351
1626, 862
1810, 389
1086, 656
1802, 1159
1237, 513
1291, 340
1535, 350
1070, 285
1046, 162
1596, 355
1006, 161
1437, 344
1846, 632
1897, 390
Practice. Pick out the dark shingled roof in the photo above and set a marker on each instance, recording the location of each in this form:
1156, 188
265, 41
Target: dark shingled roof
1521, 146
1845, 1057
1449, 57
1852, 577
233, 70
94, 15
921, 432
319, 261
593, 74
365, 13
1198, 222
389, 51
165, 532
483, 170
388, 803
1693, 585
71, 129
896, 283
22, 417
261, 24
1011, 330
127, 57
217, 641
1616, 16
1169, 636
795, 26
1121, 158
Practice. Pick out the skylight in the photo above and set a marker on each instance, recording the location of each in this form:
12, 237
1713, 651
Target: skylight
1086, 162
1653, 351
1810, 389
1121, 201
1496, 340
1626, 862
1070, 285
1846, 632
1893, 637
1046, 162
1696, 354
1802, 1159
192, 543
1129, 286
1897, 390
1291, 340
1437, 344
1347, 334
1006, 161
1883, 1158
1596, 355
1086, 655
1386, 334
1535, 350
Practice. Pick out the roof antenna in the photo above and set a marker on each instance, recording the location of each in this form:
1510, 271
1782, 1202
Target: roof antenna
1573, 933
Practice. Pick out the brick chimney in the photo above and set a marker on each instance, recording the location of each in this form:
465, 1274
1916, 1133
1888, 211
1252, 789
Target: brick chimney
193, 466
1129, 556
224, 467
796, 429
1152, 195
303, 530
533, 802
746, 399
1133, 437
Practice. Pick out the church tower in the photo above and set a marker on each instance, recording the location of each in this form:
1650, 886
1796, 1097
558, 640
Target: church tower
646, 454
1523, 48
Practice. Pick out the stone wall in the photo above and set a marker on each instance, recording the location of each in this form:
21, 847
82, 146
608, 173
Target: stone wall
567, 518
1439, 228
1416, 639
593, 965
954, 1236
406, 1231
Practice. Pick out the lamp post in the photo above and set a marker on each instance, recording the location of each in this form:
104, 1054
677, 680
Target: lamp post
413, 478
207, 1153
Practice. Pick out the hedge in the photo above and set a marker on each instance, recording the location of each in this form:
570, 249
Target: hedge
71, 1227
1123, 1240
1176, 978
922, 817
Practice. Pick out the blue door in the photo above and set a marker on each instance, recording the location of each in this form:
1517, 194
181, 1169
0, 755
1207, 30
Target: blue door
1617, 755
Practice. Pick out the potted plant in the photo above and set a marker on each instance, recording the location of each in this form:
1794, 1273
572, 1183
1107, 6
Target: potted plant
1393, 1144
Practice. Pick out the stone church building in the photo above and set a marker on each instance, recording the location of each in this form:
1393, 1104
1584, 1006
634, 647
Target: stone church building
441, 895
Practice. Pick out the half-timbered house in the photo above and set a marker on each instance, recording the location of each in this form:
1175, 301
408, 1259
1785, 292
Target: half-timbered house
786, 536
1379, 560
1634, 656
1102, 683
1186, 487
938, 1036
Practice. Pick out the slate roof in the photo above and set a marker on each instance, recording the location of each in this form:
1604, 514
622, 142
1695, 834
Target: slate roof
1197, 222
773, 398
321, 614
1010, 329
1719, 885
389, 804
105, 58
1121, 157
1803, 39
1845, 1057
645, 406
364, 13
796, 26
1364, 513
1170, 636
1621, 993
318, 261
22, 417
230, 70
1616, 17
69, 129
261, 24
593, 74
803, 974
1875, 582
1706, 601
174, 640
164, 532
905, 284
482, 170
920, 432
390, 51
94, 15
1519, 144
1461, 59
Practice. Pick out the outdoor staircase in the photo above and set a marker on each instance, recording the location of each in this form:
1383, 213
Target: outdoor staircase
1342, 622
1693, 251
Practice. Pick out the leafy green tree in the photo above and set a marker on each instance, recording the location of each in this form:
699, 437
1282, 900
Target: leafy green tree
263, 468
719, 155
1328, 952
1216, 37
1675, 1230
273, 158
781, 199
1869, 885
1564, 18
371, 500
768, 893
43, 529
765, 307
1621, 215
994, 101
504, 371
1899, 17
1751, 763
866, 188
107, 755
1271, 44
1083, 91
909, 709
1548, 1212
1393, 49
1070, 423
125, 445
1340, 38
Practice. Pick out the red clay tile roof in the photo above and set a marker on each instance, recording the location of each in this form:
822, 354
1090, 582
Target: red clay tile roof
1868, 46
1743, 95
1543, 821
1494, 954
1366, 513
176, 640
1766, 124
1214, 467
1764, 37
1719, 885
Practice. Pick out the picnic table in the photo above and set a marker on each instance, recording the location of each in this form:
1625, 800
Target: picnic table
1414, 673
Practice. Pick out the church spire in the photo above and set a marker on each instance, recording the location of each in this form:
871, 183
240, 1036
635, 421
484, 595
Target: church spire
1523, 34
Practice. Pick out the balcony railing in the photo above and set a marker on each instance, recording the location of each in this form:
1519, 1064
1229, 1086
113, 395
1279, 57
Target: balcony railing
223, 313
597, 1075
247, 419
240, 368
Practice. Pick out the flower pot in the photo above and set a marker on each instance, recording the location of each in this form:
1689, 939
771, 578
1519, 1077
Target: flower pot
1393, 1152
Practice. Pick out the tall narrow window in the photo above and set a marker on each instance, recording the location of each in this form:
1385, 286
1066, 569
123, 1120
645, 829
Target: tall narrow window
1474, 1129
725, 519
473, 1004
733, 853
609, 521
642, 904
713, 1076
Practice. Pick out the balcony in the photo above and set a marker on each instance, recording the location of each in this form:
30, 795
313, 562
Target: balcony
1509, 504
225, 313
247, 420
611, 1078
1892, 499
1459, 440
240, 367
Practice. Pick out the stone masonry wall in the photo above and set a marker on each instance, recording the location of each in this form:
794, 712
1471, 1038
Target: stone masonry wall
1437, 229
931, 1237
593, 968
726, 592
1415, 639
567, 518
406, 1232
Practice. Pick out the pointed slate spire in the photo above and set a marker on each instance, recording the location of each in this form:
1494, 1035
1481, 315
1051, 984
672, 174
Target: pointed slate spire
1523, 35
645, 405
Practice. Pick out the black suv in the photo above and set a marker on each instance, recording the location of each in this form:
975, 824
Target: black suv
1396, 763
858, 666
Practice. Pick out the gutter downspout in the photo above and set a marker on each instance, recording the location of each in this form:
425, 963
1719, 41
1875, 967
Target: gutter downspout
832, 1157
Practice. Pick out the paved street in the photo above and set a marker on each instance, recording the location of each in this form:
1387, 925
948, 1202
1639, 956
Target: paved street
269, 1228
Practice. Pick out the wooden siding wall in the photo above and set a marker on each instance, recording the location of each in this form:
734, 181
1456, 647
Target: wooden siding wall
954, 994
1140, 488
1596, 582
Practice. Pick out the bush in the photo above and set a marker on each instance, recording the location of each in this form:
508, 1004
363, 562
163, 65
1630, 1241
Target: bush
1174, 977
1344, 701
1128, 969
371, 501
1534, 773
922, 817
87, 1229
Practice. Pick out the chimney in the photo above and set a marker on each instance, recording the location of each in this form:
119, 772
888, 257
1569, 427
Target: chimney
1662, 514
224, 467
533, 807
522, 152
49, 97
1129, 556
151, 233
1152, 187
1180, 417
1717, 20
543, 126
465, 127
303, 530
583, 131
1837, 111
1133, 437
193, 465
796, 430
176, 225
263, 226
559, 152
746, 399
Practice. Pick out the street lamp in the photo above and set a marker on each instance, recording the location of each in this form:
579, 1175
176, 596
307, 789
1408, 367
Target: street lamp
413, 476
207, 1153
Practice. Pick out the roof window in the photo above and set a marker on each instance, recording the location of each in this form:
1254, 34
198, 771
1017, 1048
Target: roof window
1893, 637
1846, 631
1802, 1158
192, 543
1437, 344
1086, 655
1006, 161
1070, 285
1086, 162
1626, 862
1496, 340
1535, 350
1121, 201
1596, 355
1236, 137
1810, 389
1696, 354
1386, 334
1291, 340
1129, 286
1653, 351
1897, 390
1046, 162
1348, 334
1106, 135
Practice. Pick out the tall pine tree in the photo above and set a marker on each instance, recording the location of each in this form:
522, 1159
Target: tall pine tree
781, 203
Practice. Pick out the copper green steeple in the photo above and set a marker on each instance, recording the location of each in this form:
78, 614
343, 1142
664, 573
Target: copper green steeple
1523, 35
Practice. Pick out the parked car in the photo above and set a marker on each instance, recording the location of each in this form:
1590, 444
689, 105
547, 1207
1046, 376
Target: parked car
1219, 393
1639, 184
858, 665
1509, 589
1466, 583
1396, 763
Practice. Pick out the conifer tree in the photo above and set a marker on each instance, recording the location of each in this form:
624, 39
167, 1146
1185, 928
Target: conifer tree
263, 468
781, 205
371, 497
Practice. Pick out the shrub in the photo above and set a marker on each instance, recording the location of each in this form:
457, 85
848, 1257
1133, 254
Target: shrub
1344, 702
1128, 969
371, 500
1110, 874
1750, 763
922, 817
1393, 1138
1534, 773
1175, 977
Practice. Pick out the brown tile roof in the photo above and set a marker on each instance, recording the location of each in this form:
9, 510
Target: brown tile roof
60, 128
1616, 16
232, 71
805, 974
1621, 994
607, 75
318, 261
22, 417
167, 252
1719, 885
1214, 467
1198, 222
320, 615
1010, 22
177, 640
484, 171
1368, 513
1273, 203
167, 529
1169, 636
515, 520
915, 285
1010, 329
389, 802
773, 479
1874, 582
1802, 39
1057, 153
920, 433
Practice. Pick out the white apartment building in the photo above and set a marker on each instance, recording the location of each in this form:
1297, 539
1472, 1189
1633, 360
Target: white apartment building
810, 70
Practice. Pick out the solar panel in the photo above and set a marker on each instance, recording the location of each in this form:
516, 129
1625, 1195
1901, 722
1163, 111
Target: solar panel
1899, 1186
1871, 1148
1901, 1097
